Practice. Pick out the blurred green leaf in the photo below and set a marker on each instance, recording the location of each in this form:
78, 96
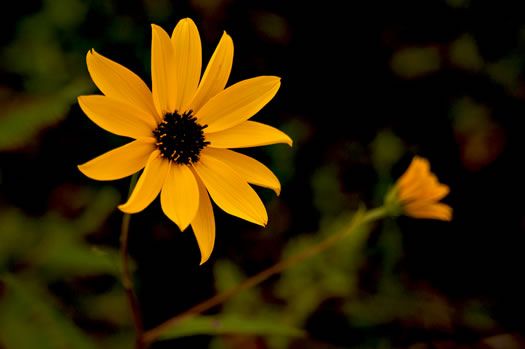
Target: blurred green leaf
29, 319
231, 324
477, 316
110, 307
66, 257
326, 186
227, 276
272, 27
480, 137
282, 162
464, 53
100, 205
469, 115
413, 62
387, 149
16, 237
65, 14
56, 246
507, 72
22, 118
332, 273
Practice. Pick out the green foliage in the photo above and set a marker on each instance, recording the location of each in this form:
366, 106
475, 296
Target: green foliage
328, 196
29, 318
464, 53
51, 66
413, 62
387, 149
56, 246
24, 117
231, 324
48, 261
36, 253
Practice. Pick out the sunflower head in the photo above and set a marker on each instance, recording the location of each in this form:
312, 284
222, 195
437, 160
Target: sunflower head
182, 131
417, 193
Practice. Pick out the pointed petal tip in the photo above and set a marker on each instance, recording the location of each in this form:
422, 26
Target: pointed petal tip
204, 259
182, 227
155, 28
263, 222
80, 101
277, 189
277, 84
80, 168
227, 36
123, 208
91, 56
82, 98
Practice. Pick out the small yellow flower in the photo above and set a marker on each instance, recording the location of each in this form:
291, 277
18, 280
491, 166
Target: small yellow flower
182, 129
418, 191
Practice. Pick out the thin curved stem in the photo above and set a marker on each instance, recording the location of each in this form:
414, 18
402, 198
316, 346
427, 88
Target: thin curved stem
360, 218
127, 280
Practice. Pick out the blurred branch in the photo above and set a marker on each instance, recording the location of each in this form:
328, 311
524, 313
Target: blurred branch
361, 217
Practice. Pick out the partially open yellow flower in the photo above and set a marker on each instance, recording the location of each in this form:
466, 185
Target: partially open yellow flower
181, 131
418, 191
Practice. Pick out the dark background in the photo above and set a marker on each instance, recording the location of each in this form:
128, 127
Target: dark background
365, 86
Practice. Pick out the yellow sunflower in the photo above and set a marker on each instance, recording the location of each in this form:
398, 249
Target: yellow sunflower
417, 193
182, 129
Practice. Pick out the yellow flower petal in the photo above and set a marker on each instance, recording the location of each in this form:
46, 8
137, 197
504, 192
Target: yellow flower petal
163, 77
117, 117
250, 169
229, 190
188, 61
149, 184
418, 168
216, 74
204, 223
120, 162
180, 195
247, 134
418, 191
438, 192
431, 189
116, 81
430, 211
237, 103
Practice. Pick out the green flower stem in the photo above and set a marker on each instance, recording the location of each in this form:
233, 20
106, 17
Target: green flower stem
360, 218
127, 280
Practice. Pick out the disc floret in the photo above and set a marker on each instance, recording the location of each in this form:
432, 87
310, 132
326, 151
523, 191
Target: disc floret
180, 137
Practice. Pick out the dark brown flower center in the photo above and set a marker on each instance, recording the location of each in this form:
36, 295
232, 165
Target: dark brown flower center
180, 138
